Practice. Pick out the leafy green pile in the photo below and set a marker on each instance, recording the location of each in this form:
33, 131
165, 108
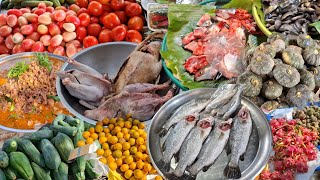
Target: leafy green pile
18, 69
44, 61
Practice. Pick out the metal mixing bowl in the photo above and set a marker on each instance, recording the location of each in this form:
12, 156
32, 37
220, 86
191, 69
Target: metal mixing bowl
257, 154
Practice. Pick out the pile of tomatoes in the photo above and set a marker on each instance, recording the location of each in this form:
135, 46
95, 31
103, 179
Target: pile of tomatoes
65, 31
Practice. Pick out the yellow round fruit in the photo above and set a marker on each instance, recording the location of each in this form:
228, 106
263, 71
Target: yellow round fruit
86, 134
106, 130
99, 123
124, 167
117, 146
81, 143
138, 155
140, 131
128, 124
126, 146
120, 124
147, 167
117, 129
158, 178
122, 140
140, 164
133, 150
112, 165
100, 152
105, 121
153, 171
107, 153
113, 139
89, 140
117, 154
110, 158
136, 122
111, 127
120, 135
133, 178
135, 134
128, 116
145, 156
103, 139
131, 131
128, 174
144, 136
127, 136
130, 119
140, 141
125, 131
134, 128
91, 130
113, 121
133, 166
142, 148
99, 128
113, 133
126, 153
108, 135
119, 162
102, 134
132, 141
138, 174
141, 125
94, 136
103, 160
128, 159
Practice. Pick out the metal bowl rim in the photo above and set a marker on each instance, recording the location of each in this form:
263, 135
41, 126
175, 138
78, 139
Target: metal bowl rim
264, 149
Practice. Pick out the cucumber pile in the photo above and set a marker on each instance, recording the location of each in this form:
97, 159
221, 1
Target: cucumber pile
17, 4
43, 155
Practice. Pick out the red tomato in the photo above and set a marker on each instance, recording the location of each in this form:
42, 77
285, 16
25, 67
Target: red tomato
27, 44
133, 1
94, 29
73, 19
125, 26
3, 19
104, 2
54, 29
25, 10
89, 41
61, 8
126, 3
39, 11
37, 47
95, 8
17, 49
118, 33
94, 20
117, 4
42, 5
15, 12
35, 36
60, 25
135, 23
82, 3
81, 33
107, 8
122, 16
84, 19
74, 7
4, 49
1, 40
102, 16
82, 10
49, 9
133, 36
133, 9
111, 20
105, 36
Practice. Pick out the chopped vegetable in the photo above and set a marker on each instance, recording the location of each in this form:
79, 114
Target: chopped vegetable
18, 69
55, 98
44, 61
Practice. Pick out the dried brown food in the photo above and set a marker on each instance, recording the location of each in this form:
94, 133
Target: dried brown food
261, 64
252, 84
316, 72
293, 58
299, 95
271, 89
307, 78
304, 41
312, 55
286, 75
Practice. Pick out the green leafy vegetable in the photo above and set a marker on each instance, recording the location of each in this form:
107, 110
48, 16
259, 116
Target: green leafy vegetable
55, 98
18, 69
244, 4
44, 61
8, 99
316, 25
13, 116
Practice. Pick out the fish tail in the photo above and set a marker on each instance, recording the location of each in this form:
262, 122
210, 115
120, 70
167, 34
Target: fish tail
232, 171
163, 165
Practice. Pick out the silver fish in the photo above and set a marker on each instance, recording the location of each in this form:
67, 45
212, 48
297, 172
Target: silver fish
212, 149
193, 106
228, 109
192, 145
239, 138
176, 137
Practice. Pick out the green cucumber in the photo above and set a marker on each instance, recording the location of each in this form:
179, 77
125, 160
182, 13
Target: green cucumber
64, 145
56, 3
76, 171
4, 159
10, 5
35, 3
10, 173
40, 173
5, 3
61, 173
71, 1
61, 1
39, 135
72, 121
70, 131
31, 151
2, 175
10, 145
51, 156
20, 163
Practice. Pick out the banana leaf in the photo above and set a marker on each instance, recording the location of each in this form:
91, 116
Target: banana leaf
182, 20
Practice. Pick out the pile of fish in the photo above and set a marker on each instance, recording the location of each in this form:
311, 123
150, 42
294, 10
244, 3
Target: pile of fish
198, 132
217, 44
131, 92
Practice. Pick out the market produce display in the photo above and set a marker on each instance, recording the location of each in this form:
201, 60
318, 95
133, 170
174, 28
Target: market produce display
44, 154
294, 147
28, 96
65, 31
281, 72
123, 146
17, 4
200, 129
292, 17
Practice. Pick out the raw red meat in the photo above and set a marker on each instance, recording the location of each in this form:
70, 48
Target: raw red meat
203, 19
200, 32
192, 46
194, 63
188, 38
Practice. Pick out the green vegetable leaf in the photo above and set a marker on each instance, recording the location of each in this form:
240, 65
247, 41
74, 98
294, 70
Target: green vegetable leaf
44, 61
55, 98
244, 4
8, 99
316, 25
13, 116
18, 69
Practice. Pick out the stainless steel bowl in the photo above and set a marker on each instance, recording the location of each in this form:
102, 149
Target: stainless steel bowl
8, 62
258, 150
